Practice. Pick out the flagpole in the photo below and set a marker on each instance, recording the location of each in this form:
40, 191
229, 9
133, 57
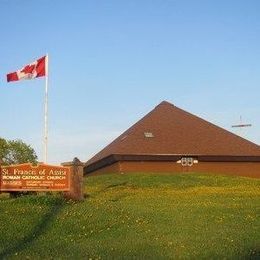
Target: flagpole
45, 141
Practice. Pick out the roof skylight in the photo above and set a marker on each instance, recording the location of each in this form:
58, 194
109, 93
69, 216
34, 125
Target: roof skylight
148, 134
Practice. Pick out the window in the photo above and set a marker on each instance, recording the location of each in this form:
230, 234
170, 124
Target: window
148, 134
187, 161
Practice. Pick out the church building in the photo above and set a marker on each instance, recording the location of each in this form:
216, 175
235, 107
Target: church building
169, 139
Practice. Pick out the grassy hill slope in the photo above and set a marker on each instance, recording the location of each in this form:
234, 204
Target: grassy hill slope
137, 216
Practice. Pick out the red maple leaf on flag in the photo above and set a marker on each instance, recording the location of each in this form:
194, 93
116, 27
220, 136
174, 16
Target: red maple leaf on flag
29, 68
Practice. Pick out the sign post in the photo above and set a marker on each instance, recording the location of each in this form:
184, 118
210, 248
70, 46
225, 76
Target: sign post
76, 191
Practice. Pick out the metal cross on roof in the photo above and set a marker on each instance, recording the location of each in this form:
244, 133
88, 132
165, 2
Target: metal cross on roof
241, 125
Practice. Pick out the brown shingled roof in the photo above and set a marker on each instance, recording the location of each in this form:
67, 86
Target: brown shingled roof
169, 130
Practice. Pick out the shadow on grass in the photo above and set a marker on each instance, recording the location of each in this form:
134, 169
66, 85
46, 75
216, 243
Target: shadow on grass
115, 185
111, 186
36, 232
105, 189
254, 254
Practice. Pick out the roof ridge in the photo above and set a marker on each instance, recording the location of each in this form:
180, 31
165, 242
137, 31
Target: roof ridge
165, 102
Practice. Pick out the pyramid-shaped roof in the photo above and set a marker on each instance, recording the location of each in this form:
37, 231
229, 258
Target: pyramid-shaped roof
169, 130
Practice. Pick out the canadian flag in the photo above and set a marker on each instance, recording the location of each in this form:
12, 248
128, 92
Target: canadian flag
33, 70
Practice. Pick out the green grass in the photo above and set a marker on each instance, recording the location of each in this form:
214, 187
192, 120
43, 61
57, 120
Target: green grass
137, 216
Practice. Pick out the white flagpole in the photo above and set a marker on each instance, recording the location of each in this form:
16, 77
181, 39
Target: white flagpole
45, 141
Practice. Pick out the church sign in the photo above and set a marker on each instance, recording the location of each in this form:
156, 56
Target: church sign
42, 177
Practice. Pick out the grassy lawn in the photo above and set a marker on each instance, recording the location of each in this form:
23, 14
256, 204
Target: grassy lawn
138, 216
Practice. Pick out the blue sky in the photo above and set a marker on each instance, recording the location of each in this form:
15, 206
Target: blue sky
111, 62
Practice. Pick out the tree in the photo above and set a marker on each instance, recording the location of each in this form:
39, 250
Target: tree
3, 148
16, 152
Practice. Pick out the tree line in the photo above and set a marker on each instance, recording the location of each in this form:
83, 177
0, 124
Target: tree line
16, 152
